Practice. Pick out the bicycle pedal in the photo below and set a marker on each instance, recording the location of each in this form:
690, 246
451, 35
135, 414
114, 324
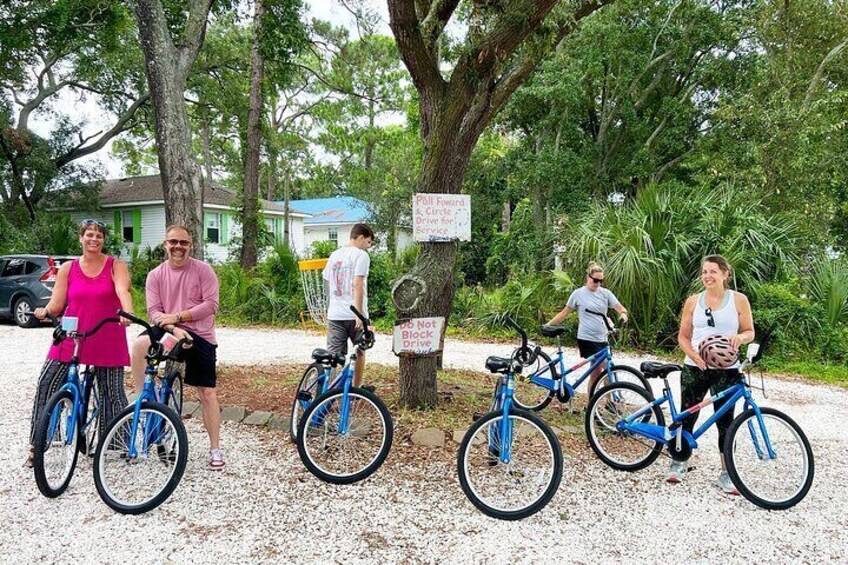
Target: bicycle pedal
305, 396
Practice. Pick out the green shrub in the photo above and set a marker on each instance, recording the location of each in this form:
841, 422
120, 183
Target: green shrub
322, 249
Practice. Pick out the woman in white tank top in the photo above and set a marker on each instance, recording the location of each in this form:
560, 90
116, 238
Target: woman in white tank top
716, 311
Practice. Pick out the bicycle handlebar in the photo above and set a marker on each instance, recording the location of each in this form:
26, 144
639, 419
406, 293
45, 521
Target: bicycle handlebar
366, 340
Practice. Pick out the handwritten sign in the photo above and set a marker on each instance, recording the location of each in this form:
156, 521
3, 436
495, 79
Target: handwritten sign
441, 217
418, 335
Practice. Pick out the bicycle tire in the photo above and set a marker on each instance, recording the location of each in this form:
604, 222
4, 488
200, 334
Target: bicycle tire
746, 489
592, 421
87, 443
327, 400
523, 388
180, 441
603, 379
46, 485
467, 452
175, 398
299, 406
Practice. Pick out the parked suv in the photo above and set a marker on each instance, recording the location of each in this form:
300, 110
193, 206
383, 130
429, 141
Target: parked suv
26, 282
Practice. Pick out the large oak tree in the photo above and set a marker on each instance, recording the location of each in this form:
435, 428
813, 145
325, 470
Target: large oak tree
504, 42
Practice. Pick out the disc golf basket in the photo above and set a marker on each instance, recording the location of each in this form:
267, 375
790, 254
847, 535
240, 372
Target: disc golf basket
314, 289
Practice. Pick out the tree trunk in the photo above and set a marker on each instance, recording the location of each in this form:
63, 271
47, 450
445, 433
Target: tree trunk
167, 69
207, 148
287, 198
427, 290
250, 211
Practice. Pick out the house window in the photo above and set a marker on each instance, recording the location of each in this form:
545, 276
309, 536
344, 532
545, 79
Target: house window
269, 227
333, 235
213, 227
127, 225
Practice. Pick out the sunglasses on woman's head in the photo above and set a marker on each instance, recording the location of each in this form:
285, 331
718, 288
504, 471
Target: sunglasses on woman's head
597, 281
90, 222
180, 242
710, 320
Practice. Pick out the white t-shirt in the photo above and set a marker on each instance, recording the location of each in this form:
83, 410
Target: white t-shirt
343, 265
591, 326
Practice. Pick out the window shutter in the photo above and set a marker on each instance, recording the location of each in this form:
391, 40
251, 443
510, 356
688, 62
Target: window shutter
136, 216
225, 228
118, 222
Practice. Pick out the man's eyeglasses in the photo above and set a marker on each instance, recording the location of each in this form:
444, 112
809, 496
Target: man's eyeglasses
597, 281
710, 320
180, 242
91, 221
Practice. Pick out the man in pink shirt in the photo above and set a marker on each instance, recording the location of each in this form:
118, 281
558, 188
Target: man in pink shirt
182, 296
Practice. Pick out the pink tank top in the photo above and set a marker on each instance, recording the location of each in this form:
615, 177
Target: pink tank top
91, 299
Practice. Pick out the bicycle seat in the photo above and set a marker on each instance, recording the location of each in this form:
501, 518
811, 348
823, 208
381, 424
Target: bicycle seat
502, 365
324, 356
553, 331
657, 370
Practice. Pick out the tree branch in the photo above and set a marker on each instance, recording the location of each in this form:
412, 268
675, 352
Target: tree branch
122, 125
819, 75
420, 59
194, 34
434, 23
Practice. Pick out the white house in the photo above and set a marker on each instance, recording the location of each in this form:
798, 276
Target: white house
333, 218
135, 207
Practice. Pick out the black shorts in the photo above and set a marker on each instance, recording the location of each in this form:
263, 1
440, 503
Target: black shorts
200, 360
589, 348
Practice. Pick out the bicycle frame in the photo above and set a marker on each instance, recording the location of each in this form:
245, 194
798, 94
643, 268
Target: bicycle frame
81, 389
594, 361
344, 380
666, 434
503, 402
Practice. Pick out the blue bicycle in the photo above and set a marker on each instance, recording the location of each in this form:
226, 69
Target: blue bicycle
68, 424
143, 454
768, 457
510, 461
344, 433
547, 377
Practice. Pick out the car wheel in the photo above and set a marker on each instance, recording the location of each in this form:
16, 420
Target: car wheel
22, 306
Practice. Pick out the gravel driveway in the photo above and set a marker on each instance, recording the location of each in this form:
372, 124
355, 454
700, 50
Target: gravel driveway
265, 506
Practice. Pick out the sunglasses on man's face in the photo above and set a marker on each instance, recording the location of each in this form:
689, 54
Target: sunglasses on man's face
597, 281
180, 242
92, 222
710, 320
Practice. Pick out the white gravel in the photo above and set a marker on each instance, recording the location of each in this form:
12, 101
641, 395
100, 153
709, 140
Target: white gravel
265, 506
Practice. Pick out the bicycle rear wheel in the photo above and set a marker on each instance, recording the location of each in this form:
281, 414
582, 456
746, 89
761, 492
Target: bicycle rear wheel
55, 451
774, 484
530, 396
523, 485
620, 374
175, 396
308, 390
622, 449
344, 456
133, 484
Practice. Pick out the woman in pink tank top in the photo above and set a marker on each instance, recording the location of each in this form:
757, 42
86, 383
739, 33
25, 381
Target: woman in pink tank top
90, 288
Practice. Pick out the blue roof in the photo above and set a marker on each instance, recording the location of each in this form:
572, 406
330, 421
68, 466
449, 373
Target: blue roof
338, 210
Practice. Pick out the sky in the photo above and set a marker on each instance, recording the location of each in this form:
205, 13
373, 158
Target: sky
87, 111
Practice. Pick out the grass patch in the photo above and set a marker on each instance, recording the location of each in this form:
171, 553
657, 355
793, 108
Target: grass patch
830, 374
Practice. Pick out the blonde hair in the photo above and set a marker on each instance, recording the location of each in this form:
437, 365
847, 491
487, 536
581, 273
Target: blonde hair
593, 268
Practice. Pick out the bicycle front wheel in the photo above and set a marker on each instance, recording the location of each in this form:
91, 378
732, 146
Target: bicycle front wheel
620, 374
772, 483
344, 440
530, 396
88, 430
135, 473
524, 483
55, 451
622, 449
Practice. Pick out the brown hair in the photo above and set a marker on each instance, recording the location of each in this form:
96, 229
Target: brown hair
593, 268
178, 227
97, 225
361, 229
723, 265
